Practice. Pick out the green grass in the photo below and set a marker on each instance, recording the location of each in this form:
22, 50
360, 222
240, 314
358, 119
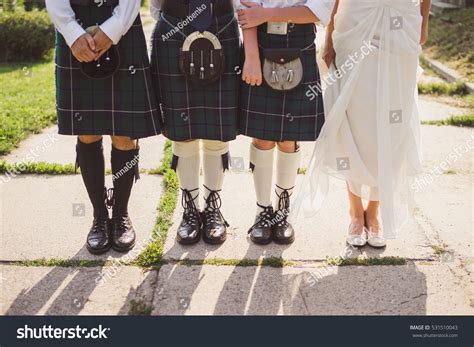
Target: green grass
450, 89
61, 263
459, 121
27, 101
276, 262
439, 249
43, 168
153, 254
40, 168
451, 40
361, 261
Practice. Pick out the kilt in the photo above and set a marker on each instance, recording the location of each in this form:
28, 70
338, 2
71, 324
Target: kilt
189, 111
273, 115
121, 105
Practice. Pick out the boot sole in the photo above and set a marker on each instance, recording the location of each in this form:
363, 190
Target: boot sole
262, 242
188, 243
284, 242
214, 241
98, 251
123, 249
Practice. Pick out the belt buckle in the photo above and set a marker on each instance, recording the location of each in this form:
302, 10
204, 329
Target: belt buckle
277, 28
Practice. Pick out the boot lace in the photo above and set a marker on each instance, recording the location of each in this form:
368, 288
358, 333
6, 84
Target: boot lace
191, 216
281, 215
212, 210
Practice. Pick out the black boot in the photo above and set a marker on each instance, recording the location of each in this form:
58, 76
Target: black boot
190, 228
215, 226
125, 171
90, 158
283, 232
261, 232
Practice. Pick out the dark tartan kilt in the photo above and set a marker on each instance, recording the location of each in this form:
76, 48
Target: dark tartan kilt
189, 111
294, 115
122, 105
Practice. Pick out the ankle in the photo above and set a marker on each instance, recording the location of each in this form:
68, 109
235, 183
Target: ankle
356, 214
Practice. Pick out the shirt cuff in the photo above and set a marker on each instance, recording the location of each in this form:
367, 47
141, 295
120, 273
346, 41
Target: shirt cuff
322, 10
73, 32
112, 27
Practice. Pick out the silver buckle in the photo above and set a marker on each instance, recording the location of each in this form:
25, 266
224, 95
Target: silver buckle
277, 28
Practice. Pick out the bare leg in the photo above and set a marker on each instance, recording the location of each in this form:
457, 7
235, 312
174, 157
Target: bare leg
371, 216
356, 212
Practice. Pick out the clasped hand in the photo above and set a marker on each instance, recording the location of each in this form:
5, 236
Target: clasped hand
91, 46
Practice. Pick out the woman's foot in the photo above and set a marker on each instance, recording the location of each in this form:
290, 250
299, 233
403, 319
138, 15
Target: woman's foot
375, 237
357, 235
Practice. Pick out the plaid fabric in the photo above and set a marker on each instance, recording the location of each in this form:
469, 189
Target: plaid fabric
192, 112
273, 115
122, 105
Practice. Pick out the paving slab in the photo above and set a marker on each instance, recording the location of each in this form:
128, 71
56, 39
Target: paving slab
317, 238
447, 217
445, 190
50, 147
225, 290
75, 291
433, 110
49, 217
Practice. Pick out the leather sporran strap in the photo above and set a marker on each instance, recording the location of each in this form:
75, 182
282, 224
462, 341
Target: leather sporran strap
282, 68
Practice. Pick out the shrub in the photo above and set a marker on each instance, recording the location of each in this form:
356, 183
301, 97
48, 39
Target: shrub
32, 4
25, 36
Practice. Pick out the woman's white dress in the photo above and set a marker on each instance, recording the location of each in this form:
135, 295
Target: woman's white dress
371, 137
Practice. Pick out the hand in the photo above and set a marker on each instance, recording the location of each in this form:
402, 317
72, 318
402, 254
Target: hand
84, 48
252, 73
102, 42
251, 17
424, 35
329, 54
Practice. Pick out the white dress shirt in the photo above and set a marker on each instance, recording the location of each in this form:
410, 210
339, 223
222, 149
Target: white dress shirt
64, 19
321, 8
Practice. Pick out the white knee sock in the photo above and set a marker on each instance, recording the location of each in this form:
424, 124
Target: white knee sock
213, 166
287, 172
188, 166
262, 164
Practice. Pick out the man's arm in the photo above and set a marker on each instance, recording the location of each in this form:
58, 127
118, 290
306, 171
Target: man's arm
64, 20
82, 44
122, 19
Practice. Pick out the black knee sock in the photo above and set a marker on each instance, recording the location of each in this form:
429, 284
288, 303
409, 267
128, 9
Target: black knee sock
90, 158
124, 170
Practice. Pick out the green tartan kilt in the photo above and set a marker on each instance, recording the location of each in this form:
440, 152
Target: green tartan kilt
122, 105
295, 115
189, 111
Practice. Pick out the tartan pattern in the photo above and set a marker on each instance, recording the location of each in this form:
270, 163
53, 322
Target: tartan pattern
122, 105
273, 115
192, 112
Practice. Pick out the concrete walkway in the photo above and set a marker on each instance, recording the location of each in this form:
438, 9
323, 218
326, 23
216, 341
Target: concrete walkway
45, 218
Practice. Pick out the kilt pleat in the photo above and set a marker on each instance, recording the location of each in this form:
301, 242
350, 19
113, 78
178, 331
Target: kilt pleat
189, 111
122, 105
274, 115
